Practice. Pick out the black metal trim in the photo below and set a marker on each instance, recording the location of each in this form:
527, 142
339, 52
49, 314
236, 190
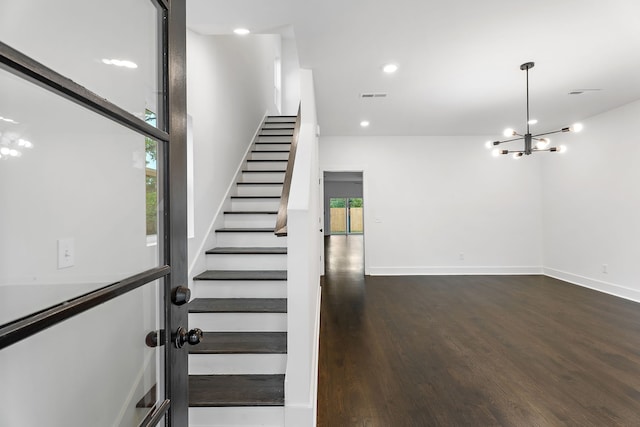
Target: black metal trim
29, 325
162, 4
154, 416
24, 66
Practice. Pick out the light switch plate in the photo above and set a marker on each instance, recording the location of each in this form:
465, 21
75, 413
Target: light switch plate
66, 253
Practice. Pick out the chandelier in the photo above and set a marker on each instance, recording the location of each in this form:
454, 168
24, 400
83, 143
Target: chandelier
532, 143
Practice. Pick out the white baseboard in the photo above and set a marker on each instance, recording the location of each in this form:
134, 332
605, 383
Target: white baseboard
596, 285
451, 270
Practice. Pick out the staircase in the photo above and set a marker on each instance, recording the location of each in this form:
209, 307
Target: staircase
236, 375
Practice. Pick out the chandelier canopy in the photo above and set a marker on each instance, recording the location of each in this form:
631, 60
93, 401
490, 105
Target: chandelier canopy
532, 143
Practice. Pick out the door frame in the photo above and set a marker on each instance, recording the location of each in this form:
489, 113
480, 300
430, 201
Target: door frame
171, 135
366, 205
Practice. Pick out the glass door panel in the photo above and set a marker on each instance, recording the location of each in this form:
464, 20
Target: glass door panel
355, 217
110, 48
73, 186
338, 215
346, 215
94, 369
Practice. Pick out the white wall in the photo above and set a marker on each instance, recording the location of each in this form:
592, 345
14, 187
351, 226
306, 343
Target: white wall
430, 199
290, 77
591, 204
229, 90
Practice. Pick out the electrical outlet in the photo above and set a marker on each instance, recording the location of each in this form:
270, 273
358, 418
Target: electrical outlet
605, 268
66, 253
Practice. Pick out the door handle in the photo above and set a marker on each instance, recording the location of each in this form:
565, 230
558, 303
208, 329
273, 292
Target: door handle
192, 337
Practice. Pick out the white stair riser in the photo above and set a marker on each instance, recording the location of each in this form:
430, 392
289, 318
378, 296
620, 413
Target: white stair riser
267, 416
246, 262
239, 322
278, 132
267, 166
230, 364
262, 177
262, 205
270, 125
240, 289
249, 239
279, 119
271, 147
270, 155
274, 138
259, 190
249, 220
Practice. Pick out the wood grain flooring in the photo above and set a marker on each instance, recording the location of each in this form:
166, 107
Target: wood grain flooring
472, 350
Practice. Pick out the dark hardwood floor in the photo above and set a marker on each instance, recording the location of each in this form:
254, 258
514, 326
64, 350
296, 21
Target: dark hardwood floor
472, 350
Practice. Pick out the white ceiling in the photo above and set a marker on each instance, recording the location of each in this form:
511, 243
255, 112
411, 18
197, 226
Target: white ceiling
459, 59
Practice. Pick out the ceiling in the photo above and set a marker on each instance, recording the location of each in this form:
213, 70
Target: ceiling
459, 60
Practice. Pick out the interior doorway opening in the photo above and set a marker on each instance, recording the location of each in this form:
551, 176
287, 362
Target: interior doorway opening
344, 219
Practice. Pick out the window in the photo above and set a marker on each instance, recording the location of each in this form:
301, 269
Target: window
151, 178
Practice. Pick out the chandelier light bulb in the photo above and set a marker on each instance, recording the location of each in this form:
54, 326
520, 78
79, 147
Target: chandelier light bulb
517, 155
543, 143
495, 153
509, 132
532, 122
488, 144
5, 151
576, 127
562, 149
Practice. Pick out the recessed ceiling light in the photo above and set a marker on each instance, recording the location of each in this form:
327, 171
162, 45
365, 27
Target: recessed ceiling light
241, 31
120, 63
364, 123
532, 121
390, 68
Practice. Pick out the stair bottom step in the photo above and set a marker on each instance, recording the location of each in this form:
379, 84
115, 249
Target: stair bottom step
269, 416
236, 390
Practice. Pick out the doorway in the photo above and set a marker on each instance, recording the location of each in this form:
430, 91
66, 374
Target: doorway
344, 217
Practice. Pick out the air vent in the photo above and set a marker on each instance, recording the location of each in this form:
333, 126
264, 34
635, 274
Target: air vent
373, 95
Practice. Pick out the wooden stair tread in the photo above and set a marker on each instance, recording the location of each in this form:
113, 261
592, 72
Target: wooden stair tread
250, 212
242, 275
238, 305
259, 183
241, 343
236, 390
248, 250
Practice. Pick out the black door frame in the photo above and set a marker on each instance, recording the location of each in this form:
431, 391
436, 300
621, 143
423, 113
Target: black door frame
171, 135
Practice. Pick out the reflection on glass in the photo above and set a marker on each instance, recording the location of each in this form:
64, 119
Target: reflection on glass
111, 49
73, 212
93, 369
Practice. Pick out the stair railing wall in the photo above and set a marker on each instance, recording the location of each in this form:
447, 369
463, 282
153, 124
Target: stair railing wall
281, 220
303, 269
